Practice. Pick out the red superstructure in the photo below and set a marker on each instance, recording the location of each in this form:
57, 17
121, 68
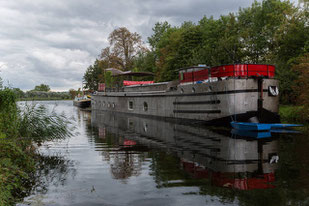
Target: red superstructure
235, 70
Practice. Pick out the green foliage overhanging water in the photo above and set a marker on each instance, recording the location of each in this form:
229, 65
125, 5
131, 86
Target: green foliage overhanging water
20, 129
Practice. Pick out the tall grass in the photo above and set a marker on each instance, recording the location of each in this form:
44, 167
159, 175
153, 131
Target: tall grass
38, 124
19, 129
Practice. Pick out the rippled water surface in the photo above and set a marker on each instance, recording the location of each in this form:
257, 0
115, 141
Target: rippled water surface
128, 160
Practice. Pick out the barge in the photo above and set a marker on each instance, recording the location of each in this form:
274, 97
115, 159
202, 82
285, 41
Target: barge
82, 102
217, 95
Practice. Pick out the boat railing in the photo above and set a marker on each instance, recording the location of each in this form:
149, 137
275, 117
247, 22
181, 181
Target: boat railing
114, 89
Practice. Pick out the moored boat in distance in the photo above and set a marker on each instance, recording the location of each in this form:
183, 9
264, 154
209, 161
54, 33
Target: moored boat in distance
82, 102
241, 92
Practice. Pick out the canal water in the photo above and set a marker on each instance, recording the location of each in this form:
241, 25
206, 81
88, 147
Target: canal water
128, 160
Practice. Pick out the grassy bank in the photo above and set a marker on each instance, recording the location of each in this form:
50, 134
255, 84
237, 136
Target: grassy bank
290, 114
294, 114
20, 129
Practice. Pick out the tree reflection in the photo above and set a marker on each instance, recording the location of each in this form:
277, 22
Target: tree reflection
51, 170
120, 153
125, 165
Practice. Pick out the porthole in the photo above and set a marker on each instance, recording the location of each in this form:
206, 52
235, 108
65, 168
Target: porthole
103, 104
193, 89
114, 105
108, 105
181, 90
130, 105
145, 127
145, 106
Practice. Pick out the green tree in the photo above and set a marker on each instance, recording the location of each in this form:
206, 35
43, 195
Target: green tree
210, 53
301, 86
168, 48
261, 24
93, 76
73, 93
42, 88
146, 62
108, 79
18, 92
158, 30
191, 41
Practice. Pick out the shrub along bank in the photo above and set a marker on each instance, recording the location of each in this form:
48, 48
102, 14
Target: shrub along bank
20, 129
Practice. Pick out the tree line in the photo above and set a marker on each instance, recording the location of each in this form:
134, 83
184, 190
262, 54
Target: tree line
42, 92
268, 32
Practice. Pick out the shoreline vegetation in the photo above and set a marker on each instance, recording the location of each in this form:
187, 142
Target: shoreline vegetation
294, 114
20, 129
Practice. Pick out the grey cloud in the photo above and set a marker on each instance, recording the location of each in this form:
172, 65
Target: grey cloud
54, 42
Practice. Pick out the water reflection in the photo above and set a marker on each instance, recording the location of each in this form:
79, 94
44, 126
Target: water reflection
52, 171
128, 160
227, 161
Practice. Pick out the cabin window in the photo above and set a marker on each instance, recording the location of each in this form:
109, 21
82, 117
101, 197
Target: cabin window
181, 90
114, 105
108, 105
145, 106
193, 89
104, 104
130, 105
130, 123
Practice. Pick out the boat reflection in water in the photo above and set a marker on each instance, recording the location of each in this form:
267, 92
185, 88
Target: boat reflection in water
223, 159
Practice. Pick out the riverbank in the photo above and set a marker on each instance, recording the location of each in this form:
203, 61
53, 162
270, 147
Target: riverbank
17, 166
20, 129
291, 114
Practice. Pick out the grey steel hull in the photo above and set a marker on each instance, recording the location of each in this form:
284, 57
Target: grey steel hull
216, 102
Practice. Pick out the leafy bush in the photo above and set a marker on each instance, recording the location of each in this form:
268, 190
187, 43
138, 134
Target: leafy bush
8, 114
15, 167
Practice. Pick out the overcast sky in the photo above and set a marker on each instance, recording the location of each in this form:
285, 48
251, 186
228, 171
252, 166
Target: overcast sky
53, 42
